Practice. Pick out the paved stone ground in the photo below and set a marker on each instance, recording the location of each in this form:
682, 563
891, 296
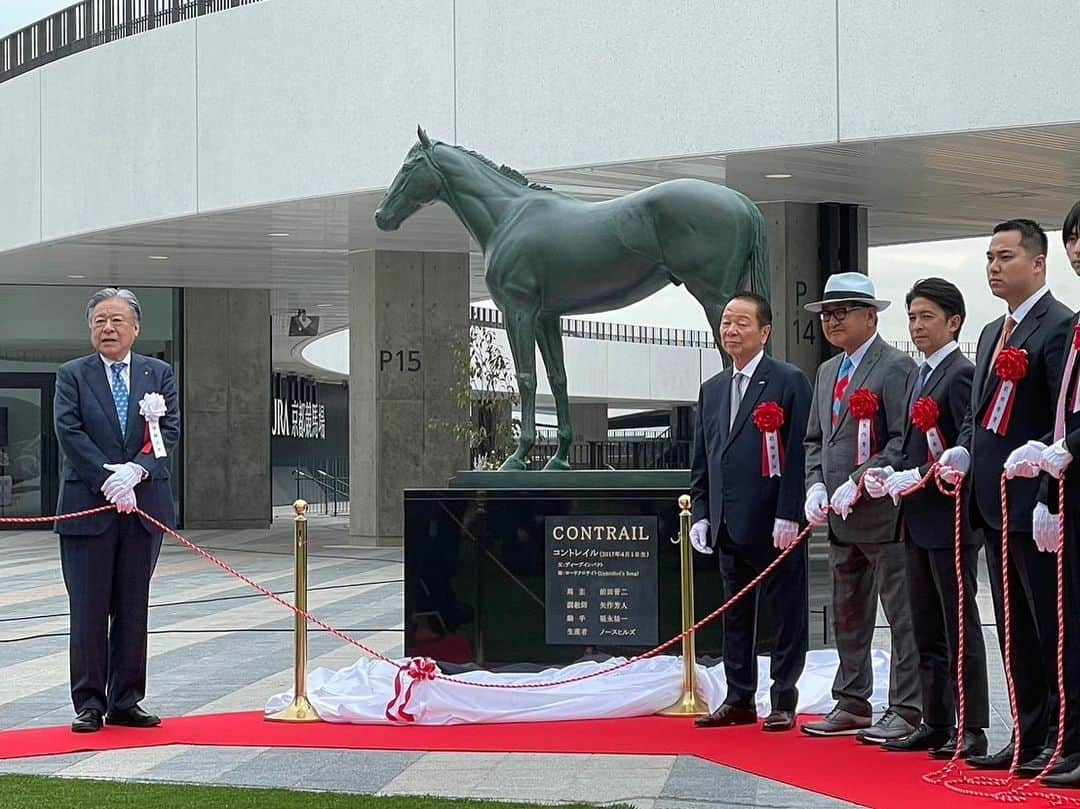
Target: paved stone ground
202, 622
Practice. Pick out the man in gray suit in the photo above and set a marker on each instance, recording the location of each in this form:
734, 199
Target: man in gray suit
857, 419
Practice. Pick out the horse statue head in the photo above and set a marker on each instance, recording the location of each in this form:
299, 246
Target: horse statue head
417, 184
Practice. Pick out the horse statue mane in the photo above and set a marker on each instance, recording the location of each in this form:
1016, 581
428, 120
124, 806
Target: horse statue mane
503, 169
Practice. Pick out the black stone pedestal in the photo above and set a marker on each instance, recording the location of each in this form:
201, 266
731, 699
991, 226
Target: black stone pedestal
475, 563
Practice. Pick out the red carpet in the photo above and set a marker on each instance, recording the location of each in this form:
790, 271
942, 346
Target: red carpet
842, 768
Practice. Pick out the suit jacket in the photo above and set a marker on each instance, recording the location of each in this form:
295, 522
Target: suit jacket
927, 517
1042, 334
726, 482
90, 436
1048, 491
830, 452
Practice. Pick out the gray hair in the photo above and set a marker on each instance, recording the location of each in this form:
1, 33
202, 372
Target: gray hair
108, 293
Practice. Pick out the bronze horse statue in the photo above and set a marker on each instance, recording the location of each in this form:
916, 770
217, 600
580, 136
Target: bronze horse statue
548, 254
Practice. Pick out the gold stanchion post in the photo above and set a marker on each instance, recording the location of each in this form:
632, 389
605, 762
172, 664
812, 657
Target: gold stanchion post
300, 710
688, 704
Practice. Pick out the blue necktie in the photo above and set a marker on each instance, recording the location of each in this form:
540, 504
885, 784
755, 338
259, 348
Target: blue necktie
920, 383
840, 388
120, 392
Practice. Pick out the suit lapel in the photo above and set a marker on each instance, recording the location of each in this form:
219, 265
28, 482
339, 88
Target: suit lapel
825, 390
867, 364
913, 376
140, 386
987, 340
98, 379
725, 403
754, 388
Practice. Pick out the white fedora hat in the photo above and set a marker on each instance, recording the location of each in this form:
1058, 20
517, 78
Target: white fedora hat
849, 287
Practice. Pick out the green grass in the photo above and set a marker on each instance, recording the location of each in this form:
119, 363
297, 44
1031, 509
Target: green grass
32, 792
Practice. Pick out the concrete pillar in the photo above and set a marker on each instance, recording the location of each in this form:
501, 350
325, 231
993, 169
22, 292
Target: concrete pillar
808, 242
590, 421
407, 312
226, 409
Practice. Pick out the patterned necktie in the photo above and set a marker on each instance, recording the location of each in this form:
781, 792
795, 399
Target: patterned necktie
737, 395
120, 392
920, 383
842, 380
1006, 333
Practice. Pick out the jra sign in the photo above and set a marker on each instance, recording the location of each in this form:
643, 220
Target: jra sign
299, 420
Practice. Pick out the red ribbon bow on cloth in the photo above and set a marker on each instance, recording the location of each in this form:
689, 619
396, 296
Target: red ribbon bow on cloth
1010, 366
925, 415
864, 405
769, 418
417, 669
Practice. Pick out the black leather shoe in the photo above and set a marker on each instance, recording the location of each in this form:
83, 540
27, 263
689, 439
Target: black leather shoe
727, 715
1003, 758
1034, 766
923, 737
974, 745
779, 720
87, 721
134, 717
1066, 773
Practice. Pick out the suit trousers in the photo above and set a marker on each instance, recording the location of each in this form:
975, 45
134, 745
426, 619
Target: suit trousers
108, 583
934, 613
860, 573
785, 593
1033, 630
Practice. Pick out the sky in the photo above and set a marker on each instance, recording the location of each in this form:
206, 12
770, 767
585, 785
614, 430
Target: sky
16, 14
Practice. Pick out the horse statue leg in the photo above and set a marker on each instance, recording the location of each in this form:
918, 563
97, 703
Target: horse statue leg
549, 339
521, 332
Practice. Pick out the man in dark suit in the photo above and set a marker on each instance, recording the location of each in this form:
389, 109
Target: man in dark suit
1053, 456
1036, 325
938, 396
842, 442
749, 508
112, 455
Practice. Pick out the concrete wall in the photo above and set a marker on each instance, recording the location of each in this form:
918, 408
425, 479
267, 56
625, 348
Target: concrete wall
226, 408
287, 100
408, 311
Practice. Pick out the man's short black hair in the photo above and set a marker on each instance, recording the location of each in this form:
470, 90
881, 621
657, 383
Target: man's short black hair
1072, 223
764, 310
1032, 236
944, 293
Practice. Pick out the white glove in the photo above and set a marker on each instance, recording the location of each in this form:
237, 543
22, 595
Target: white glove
124, 478
784, 533
874, 480
1044, 526
817, 505
1055, 459
699, 536
1023, 462
955, 461
843, 498
900, 482
126, 502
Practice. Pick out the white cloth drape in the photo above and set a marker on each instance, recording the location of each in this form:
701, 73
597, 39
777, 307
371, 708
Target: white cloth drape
361, 692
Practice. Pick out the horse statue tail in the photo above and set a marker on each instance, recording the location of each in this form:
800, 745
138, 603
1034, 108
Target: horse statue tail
756, 276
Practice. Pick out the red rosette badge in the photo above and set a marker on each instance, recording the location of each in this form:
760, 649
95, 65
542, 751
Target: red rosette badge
769, 418
864, 405
1010, 366
925, 415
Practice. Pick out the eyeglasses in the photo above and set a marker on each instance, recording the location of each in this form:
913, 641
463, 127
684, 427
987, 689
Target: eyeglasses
840, 314
116, 321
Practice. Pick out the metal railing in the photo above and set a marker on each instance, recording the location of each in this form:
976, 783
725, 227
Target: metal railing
324, 493
649, 453
967, 348
91, 23
600, 330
